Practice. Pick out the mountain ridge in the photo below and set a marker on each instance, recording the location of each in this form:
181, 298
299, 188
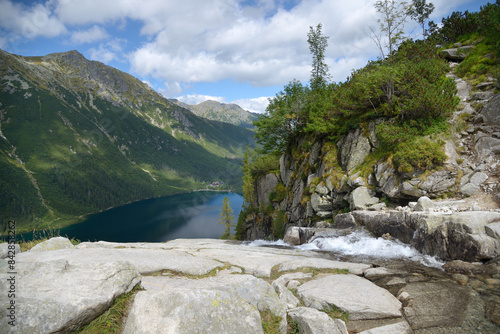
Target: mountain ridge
225, 112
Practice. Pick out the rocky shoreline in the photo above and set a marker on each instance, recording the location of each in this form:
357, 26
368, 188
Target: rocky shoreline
215, 286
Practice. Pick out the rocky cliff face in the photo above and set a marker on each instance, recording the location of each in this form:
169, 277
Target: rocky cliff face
325, 179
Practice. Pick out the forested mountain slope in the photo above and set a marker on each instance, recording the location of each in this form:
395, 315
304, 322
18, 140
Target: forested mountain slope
77, 136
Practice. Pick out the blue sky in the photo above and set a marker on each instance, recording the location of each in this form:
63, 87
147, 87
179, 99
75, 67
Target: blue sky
232, 51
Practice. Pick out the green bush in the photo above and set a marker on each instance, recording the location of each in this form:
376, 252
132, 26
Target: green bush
279, 225
264, 164
420, 154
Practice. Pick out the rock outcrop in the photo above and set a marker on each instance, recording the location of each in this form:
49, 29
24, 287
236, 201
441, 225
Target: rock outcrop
221, 286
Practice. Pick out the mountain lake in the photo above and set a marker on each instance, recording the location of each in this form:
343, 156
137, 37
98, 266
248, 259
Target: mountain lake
190, 215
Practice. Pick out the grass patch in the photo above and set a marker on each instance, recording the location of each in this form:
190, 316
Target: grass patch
113, 320
293, 326
211, 273
270, 322
275, 273
41, 236
336, 313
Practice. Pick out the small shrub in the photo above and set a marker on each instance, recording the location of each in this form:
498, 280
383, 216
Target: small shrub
420, 154
279, 225
264, 164
270, 322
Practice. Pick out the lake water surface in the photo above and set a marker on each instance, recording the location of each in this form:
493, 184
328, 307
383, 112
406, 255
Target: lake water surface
191, 215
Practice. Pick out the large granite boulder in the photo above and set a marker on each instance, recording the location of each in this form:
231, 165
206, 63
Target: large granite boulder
431, 304
357, 296
53, 244
456, 54
491, 111
464, 236
57, 296
221, 304
312, 321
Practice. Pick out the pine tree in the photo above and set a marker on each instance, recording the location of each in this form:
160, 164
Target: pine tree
226, 218
317, 45
420, 11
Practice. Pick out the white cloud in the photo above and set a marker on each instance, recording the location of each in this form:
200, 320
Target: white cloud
29, 22
257, 105
261, 42
109, 51
91, 35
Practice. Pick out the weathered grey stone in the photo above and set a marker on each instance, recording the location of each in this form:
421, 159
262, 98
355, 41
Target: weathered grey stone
322, 190
353, 149
344, 220
297, 235
481, 95
361, 198
297, 263
144, 260
376, 273
191, 311
203, 305
449, 236
6, 247
387, 180
57, 296
286, 278
377, 207
461, 267
312, 321
314, 153
324, 214
469, 189
407, 188
286, 296
355, 181
424, 204
435, 304
493, 230
52, 244
285, 170
264, 186
321, 203
478, 178
398, 328
486, 146
491, 111
438, 183
359, 297
457, 54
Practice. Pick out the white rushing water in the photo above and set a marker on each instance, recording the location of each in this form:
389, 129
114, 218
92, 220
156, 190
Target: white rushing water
360, 244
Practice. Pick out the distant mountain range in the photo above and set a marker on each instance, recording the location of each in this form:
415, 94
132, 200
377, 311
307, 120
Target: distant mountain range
77, 136
228, 113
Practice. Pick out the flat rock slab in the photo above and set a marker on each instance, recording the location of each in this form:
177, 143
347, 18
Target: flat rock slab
192, 311
362, 299
312, 321
221, 304
400, 328
433, 304
57, 296
144, 260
